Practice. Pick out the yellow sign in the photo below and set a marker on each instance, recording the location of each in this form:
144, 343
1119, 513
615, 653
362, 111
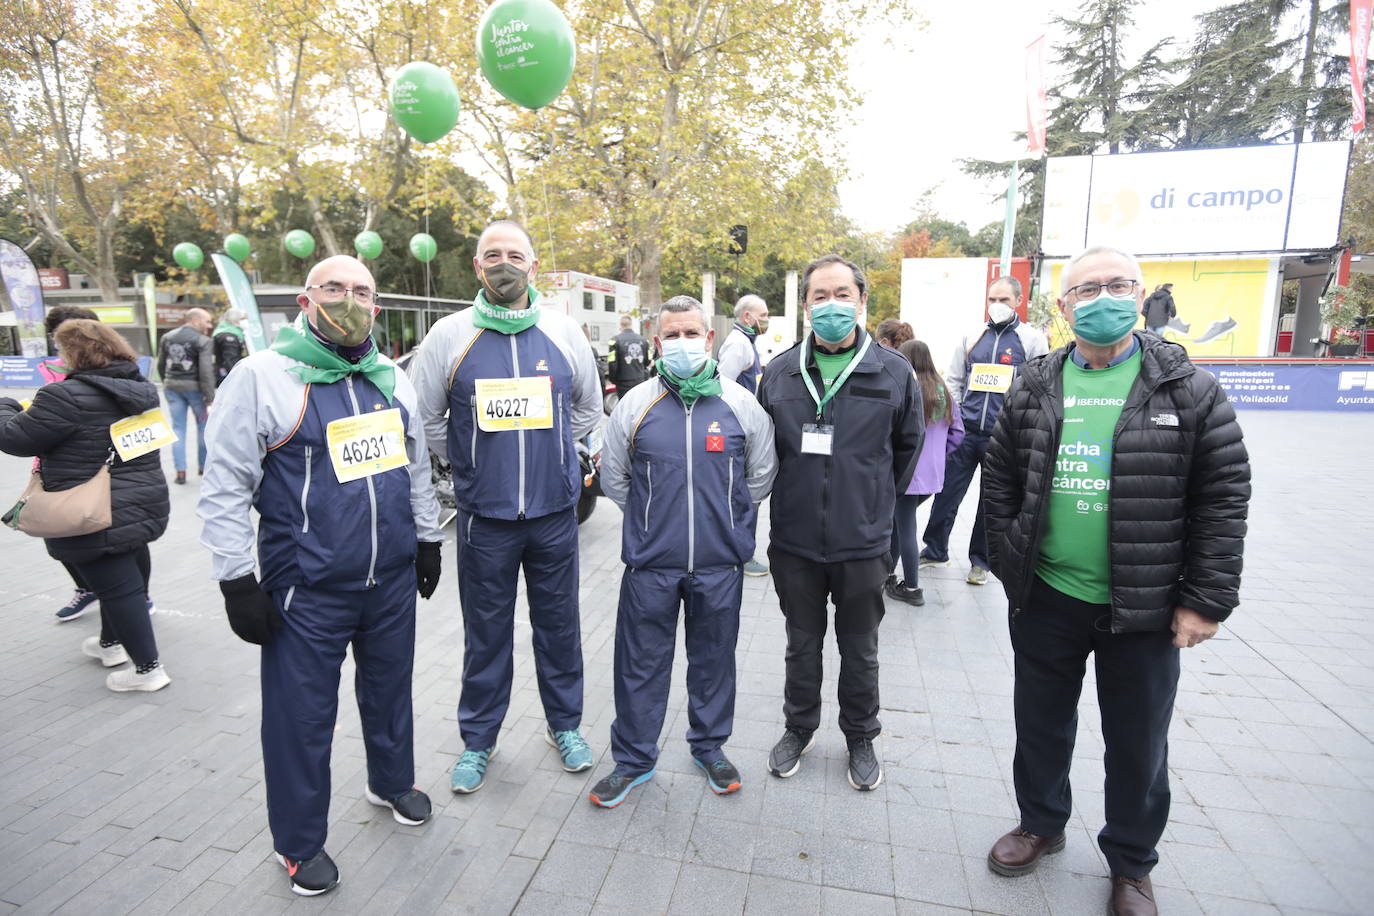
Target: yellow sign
141, 434
990, 377
504, 404
370, 444
115, 314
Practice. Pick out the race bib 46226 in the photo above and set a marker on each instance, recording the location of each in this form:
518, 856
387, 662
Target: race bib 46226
990, 377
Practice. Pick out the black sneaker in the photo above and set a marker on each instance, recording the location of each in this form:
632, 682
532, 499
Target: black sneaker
313, 876
721, 776
786, 755
411, 809
898, 591
865, 772
614, 789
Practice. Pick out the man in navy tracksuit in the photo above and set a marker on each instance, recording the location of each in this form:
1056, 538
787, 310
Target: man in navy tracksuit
979, 375
321, 435
688, 457
506, 389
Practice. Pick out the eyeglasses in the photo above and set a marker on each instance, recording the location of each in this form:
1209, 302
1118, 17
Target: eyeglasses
1091, 290
333, 292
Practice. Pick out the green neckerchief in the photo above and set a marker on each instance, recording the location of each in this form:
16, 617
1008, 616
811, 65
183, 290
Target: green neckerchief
703, 384
500, 318
941, 406
323, 365
224, 326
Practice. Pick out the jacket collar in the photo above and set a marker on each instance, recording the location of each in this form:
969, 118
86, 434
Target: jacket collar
871, 361
1160, 361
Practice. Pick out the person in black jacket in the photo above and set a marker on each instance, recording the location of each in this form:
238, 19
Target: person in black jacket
627, 358
68, 428
1159, 308
228, 342
186, 365
848, 428
1116, 490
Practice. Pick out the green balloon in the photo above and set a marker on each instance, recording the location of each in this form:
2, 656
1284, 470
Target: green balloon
237, 247
189, 255
300, 243
424, 101
423, 247
526, 50
368, 244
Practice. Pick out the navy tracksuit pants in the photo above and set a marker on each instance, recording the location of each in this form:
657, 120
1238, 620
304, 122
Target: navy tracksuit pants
645, 640
300, 700
490, 555
959, 469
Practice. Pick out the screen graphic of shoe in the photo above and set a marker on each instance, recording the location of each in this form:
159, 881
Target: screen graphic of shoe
1218, 328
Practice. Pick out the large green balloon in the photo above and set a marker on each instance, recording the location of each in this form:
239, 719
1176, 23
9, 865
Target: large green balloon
189, 255
237, 247
423, 246
526, 50
300, 243
368, 244
424, 101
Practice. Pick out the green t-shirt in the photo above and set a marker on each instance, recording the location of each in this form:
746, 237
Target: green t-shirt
1073, 552
832, 364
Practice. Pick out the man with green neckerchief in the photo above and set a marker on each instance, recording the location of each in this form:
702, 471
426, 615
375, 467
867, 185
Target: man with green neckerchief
322, 436
506, 388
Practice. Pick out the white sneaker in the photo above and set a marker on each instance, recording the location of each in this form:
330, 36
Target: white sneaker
129, 679
109, 656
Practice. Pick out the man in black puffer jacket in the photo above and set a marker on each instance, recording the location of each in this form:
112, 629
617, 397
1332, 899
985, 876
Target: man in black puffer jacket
1116, 491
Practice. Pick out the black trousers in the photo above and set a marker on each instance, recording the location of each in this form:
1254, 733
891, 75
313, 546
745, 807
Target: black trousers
121, 582
856, 587
1137, 680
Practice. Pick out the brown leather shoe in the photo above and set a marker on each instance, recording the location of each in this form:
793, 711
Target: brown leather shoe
1132, 897
1018, 852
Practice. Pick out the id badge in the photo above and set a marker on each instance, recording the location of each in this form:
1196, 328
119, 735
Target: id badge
816, 438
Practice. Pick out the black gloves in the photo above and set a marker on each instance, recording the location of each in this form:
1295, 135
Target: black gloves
252, 614
427, 567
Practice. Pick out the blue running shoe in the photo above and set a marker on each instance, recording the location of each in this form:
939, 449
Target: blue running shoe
613, 790
577, 756
721, 776
470, 772
80, 604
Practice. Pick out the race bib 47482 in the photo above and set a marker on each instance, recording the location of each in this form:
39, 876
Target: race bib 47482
141, 434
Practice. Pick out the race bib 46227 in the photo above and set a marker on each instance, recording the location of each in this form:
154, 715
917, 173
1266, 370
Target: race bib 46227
504, 404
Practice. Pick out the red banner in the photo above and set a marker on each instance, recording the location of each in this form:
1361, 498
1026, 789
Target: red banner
1359, 56
1035, 94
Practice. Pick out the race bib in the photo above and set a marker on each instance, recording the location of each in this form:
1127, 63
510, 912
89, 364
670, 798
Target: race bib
504, 404
141, 434
370, 444
990, 377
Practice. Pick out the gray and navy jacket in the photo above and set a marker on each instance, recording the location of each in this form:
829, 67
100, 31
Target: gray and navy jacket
739, 358
514, 474
267, 450
688, 479
1010, 344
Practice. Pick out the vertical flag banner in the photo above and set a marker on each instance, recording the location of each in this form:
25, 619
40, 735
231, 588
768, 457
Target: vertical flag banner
1009, 224
26, 296
1036, 106
241, 296
1359, 57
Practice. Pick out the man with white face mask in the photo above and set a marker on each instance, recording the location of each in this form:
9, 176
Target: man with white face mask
1116, 493
979, 374
848, 426
688, 457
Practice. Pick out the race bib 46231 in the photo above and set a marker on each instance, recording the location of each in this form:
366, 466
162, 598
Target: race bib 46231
504, 404
370, 444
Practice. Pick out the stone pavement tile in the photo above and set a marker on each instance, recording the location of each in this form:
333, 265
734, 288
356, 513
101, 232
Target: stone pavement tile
27, 875
543, 903
639, 882
573, 870
497, 897
916, 786
53, 894
922, 828
591, 824
1280, 736
1216, 871
859, 815
703, 891
921, 908
1354, 880
1249, 833
932, 877
857, 865
1214, 790
1347, 805
1293, 881
1216, 905
844, 903
993, 893
1187, 754
655, 832
791, 803
721, 844
1172, 900
770, 896
788, 854
978, 795
1068, 892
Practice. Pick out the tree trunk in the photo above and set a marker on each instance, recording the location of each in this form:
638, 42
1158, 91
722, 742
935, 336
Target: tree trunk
1308, 64
650, 241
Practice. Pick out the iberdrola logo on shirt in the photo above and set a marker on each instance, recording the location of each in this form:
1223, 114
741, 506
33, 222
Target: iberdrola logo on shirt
1071, 401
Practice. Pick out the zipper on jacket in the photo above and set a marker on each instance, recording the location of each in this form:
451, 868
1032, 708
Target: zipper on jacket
649, 501
371, 496
691, 501
987, 395
520, 433
473, 459
470, 517
290, 593
730, 492
562, 446
305, 493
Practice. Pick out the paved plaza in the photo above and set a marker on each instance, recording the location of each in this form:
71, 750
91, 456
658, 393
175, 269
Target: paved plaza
154, 803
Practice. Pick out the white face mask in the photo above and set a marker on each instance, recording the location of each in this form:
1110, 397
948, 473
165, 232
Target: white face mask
1000, 312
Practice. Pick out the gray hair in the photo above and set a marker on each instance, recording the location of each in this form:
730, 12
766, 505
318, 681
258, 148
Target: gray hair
826, 260
1015, 285
1096, 250
685, 304
745, 303
234, 316
506, 224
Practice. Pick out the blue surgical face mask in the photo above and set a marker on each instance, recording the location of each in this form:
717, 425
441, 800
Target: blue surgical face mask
1105, 320
833, 320
684, 356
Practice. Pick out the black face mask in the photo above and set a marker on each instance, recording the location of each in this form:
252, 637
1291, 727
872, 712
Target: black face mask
504, 283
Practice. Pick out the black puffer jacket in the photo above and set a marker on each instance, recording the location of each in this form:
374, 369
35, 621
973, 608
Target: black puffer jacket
1179, 494
68, 427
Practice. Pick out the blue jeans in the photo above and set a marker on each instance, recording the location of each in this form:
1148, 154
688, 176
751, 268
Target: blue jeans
178, 402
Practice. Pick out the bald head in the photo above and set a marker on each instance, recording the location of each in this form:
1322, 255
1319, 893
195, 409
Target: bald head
323, 271
199, 319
